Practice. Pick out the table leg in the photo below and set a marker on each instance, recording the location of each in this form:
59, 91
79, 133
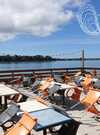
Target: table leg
0, 102
44, 132
63, 97
5, 101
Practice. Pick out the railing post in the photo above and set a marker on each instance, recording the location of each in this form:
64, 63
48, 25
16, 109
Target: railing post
82, 58
52, 74
13, 75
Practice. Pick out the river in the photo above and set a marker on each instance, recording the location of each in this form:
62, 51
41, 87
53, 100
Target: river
52, 64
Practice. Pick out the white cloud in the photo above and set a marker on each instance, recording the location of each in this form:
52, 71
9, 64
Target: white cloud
38, 17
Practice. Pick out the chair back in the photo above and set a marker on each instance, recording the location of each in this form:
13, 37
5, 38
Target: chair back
37, 82
53, 89
58, 78
87, 81
24, 126
91, 98
8, 113
88, 102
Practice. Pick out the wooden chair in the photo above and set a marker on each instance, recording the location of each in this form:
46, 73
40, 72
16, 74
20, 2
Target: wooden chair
66, 78
87, 83
39, 99
58, 78
43, 88
35, 85
17, 81
73, 93
8, 114
24, 126
90, 100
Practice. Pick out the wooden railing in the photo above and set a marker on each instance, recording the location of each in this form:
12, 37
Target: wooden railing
9, 75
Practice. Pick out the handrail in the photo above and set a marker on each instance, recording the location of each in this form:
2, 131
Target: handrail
8, 75
33, 70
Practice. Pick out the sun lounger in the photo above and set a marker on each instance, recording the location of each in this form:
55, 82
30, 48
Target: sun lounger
24, 126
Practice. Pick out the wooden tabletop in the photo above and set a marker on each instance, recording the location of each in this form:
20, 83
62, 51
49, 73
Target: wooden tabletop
5, 90
32, 105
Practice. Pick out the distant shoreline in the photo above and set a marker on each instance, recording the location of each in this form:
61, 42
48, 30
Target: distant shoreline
38, 58
18, 58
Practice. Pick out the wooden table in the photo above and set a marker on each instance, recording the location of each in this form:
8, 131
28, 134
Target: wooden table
4, 92
33, 105
47, 116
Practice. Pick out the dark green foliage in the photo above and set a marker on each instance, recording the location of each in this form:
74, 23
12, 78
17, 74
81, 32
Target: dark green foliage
18, 58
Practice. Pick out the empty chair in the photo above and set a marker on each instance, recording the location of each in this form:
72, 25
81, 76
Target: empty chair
89, 101
78, 80
33, 77
55, 93
73, 93
17, 81
23, 126
8, 114
58, 78
44, 85
35, 85
26, 81
66, 78
87, 83
55, 88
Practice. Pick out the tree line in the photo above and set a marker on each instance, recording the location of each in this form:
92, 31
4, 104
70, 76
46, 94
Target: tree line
18, 58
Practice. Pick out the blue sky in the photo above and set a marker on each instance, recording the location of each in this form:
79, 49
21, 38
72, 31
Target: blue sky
67, 41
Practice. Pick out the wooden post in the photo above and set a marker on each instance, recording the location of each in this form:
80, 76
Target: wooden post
13, 75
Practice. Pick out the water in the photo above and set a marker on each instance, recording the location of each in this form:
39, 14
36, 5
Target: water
41, 65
